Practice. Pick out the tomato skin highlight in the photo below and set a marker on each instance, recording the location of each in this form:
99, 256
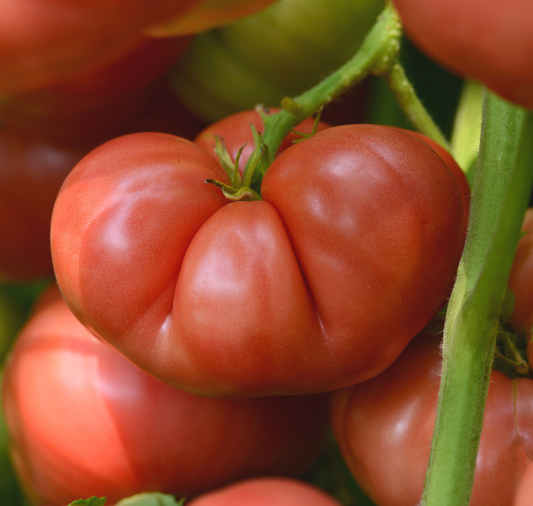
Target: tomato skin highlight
357, 240
384, 428
380, 205
268, 491
85, 421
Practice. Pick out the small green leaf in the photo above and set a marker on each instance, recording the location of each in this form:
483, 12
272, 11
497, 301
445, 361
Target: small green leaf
92, 501
151, 499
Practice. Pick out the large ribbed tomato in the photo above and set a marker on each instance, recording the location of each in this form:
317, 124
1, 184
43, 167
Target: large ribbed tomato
319, 285
84, 421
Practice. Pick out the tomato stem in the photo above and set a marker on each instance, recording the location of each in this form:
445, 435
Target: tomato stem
235, 194
378, 55
379, 49
413, 108
502, 186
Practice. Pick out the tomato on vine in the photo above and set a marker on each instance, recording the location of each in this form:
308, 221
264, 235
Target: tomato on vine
235, 132
320, 284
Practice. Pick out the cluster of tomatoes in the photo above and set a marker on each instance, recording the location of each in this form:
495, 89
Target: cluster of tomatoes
208, 324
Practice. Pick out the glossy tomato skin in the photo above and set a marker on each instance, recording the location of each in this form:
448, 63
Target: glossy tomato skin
236, 132
319, 285
267, 491
43, 42
460, 177
384, 428
491, 42
378, 204
33, 168
84, 421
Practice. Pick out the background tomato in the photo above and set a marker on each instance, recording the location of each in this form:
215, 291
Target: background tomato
488, 41
31, 173
384, 428
271, 491
94, 104
33, 167
44, 41
520, 283
12, 316
84, 421
208, 14
284, 295
282, 51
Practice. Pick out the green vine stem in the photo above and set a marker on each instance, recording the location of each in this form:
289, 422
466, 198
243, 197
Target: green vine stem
378, 51
500, 196
411, 105
378, 55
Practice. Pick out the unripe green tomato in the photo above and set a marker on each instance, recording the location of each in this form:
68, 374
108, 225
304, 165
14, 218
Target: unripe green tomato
282, 51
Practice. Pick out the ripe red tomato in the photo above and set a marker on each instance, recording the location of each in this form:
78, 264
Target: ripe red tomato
84, 421
384, 428
236, 132
319, 285
208, 14
44, 41
491, 41
268, 491
92, 104
460, 177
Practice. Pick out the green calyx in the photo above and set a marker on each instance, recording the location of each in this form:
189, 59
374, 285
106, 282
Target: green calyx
240, 187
